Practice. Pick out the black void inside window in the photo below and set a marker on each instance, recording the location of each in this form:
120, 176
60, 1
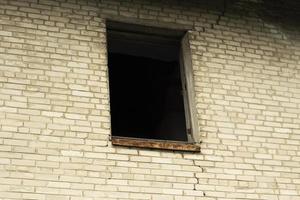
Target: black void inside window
146, 95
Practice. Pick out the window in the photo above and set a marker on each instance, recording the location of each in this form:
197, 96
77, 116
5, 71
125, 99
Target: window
148, 80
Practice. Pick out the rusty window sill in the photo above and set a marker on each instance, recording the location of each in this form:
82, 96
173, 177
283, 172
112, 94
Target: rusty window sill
155, 144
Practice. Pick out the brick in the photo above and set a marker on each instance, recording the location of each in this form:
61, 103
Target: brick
55, 115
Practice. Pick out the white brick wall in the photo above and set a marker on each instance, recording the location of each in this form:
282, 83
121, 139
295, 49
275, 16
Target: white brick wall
54, 105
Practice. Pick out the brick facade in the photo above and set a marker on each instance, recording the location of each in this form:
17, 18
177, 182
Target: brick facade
55, 116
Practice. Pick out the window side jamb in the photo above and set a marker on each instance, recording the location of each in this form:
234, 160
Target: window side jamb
189, 84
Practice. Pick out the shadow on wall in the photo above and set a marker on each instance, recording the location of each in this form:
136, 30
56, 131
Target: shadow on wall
284, 11
283, 14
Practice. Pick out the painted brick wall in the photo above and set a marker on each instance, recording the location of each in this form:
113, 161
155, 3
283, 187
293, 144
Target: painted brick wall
54, 103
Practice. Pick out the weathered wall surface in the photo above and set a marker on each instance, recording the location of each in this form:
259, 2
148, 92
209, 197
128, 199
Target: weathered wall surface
54, 105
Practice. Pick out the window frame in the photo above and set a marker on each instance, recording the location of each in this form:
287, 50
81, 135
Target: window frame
186, 72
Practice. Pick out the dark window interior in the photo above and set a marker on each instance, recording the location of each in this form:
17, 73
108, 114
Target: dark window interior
145, 86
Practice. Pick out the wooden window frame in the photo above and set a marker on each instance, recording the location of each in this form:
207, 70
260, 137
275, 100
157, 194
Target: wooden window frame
193, 143
155, 144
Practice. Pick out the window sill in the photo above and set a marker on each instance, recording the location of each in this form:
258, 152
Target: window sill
155, 144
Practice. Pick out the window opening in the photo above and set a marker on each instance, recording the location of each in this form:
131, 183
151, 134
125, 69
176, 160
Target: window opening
147, 87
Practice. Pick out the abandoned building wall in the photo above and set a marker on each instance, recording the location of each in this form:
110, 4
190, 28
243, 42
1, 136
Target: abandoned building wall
54, 103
